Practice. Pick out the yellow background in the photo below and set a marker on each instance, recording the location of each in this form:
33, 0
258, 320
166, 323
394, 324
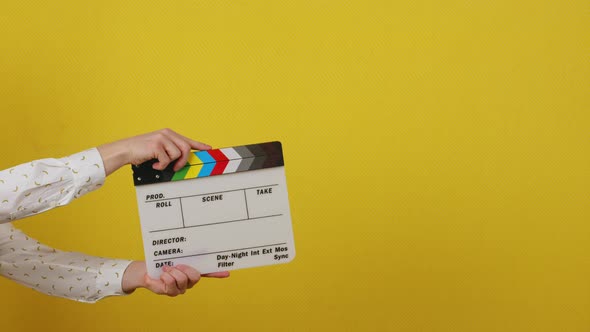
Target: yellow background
437, 154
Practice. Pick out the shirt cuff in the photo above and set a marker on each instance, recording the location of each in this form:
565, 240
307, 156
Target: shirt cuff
110, 278
88, 171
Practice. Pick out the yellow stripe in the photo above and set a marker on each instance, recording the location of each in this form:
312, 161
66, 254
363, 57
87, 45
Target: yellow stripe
193, 159
193, 171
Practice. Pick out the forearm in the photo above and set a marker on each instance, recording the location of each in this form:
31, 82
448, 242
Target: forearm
40, 185
54, 272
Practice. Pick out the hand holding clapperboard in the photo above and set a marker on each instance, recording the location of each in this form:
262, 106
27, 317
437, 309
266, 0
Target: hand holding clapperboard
227, 209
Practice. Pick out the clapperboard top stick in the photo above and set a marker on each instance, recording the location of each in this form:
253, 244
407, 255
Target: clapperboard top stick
214, 162
225, 209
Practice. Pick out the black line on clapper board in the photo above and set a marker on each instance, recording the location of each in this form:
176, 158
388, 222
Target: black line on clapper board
246, 200
181, 212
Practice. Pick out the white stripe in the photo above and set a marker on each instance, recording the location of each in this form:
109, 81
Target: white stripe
234, 160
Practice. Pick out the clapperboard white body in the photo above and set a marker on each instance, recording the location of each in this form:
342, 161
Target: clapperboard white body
226, 209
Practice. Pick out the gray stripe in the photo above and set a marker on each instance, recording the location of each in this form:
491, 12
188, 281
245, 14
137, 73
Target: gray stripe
259, 155
247, 158
258, 162
245, 164
243, 152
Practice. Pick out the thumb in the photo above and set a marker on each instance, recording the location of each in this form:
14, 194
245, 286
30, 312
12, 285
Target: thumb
154, 285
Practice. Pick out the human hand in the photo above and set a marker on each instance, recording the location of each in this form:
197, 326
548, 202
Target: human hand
173, 281
164, 145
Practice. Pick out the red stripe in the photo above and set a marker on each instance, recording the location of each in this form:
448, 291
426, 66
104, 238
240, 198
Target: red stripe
221, 161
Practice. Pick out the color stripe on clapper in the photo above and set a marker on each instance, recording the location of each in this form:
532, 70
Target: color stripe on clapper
214, 162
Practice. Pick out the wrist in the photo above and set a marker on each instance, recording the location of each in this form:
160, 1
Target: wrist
134, 277
114, 155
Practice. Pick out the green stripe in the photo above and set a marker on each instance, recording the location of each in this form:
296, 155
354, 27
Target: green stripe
180, 174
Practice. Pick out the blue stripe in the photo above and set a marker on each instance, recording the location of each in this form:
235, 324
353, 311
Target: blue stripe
208, 163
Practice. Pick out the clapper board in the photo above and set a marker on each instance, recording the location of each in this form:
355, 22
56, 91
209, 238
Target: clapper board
226, 209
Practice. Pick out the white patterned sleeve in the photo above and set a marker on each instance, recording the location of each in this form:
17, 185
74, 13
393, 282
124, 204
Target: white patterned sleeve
43, 184
54, 272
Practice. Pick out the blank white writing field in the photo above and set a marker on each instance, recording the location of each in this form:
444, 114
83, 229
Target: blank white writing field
214, 208
266, 201
163, 214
